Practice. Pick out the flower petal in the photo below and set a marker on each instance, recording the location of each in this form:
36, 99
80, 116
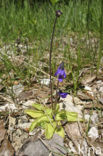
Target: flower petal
57, 72
60, 78
60, 72
61, 66
64, 75
63, 95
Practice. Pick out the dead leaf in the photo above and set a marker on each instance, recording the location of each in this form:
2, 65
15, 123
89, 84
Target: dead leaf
73, 130
6, 148
88, 79
84, 96
2, 131
74, 133
101, 100
1, 87
98, 147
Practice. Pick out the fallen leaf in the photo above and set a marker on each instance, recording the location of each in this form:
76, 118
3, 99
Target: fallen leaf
2, 131
88, 79
101, 100
84, 96
6, 148
73, 131
1, 87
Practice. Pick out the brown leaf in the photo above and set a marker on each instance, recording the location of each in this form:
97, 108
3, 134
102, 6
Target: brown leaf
73, 131
84, 96
2, 131
98, 146
1, 87
6, 148
88, 79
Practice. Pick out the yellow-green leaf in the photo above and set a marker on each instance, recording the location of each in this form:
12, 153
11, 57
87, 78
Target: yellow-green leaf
61, 115
72, 116
48, 111
33, 125
60, 131
49, 131
34, 113
39, 121
57, 108
38, 106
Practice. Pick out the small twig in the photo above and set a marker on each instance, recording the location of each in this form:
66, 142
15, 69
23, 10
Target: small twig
38, 69
6, 99
45, 144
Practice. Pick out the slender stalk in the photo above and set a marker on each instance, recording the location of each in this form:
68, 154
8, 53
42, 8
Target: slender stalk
50, 61
58, 13
57, 92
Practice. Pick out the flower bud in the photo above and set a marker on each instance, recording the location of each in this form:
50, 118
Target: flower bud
58, 13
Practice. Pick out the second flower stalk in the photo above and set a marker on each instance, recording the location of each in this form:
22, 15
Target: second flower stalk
60, 73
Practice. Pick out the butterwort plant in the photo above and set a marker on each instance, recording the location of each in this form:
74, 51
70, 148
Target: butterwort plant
50, 118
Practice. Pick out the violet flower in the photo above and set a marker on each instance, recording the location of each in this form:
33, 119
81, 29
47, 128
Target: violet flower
60, 72
63, 95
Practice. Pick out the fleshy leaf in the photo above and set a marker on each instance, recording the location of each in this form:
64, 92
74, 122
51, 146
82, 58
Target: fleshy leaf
61, 115
60, 131
34, 113
48, 111
43, 125
38, 121
72, 116
33, 125
38, 106
57, 108
49, 130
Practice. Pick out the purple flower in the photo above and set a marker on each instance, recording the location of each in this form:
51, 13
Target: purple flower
60, 72
63, 95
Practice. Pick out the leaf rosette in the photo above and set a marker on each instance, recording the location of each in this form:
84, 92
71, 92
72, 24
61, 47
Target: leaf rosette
50, 120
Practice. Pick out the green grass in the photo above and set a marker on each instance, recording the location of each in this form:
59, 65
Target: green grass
36, 22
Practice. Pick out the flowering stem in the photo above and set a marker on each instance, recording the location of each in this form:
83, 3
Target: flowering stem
58, 13
50, 59
57, 89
